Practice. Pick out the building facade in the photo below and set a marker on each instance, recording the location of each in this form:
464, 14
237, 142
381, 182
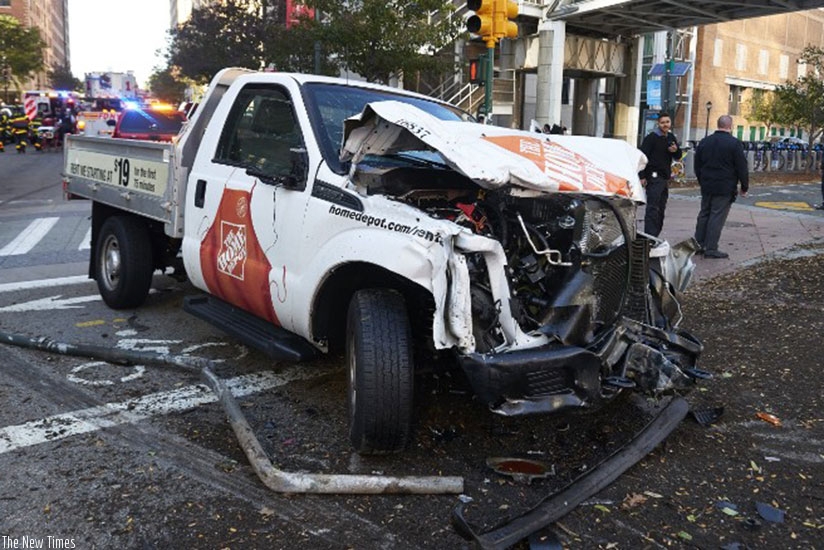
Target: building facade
735, 59
51, 18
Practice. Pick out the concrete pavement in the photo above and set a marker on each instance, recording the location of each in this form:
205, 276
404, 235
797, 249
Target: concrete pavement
751, 233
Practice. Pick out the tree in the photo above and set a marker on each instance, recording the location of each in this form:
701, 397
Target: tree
61, 78
763, 106
222, 34
379, 38
21, 48
165, 85
802, 101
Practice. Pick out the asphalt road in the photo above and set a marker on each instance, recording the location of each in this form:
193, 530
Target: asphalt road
142, 457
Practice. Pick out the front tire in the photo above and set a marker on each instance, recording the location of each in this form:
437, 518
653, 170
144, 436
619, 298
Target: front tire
380, 371
123, 262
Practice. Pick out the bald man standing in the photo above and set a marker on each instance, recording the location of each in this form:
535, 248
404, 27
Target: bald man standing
720, 165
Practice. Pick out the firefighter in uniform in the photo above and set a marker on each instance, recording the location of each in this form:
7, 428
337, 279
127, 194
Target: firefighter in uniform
20, 130
4, 127
34, 128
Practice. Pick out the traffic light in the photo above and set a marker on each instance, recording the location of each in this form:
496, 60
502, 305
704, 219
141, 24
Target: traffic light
482, 23
493, 19
477, 70
506, 12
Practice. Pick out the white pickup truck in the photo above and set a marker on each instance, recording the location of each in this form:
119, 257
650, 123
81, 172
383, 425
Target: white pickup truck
320, 215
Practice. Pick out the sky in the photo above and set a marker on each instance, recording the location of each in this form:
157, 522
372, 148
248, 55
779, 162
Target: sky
117, 36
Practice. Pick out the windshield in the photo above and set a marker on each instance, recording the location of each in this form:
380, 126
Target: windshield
331, 104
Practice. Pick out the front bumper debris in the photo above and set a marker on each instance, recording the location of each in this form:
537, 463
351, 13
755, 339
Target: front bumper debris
556, 377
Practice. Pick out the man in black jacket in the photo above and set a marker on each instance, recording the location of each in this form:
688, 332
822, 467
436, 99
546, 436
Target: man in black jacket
661, 148
720, 165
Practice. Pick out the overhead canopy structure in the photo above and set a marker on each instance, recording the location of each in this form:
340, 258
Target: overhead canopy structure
612, 18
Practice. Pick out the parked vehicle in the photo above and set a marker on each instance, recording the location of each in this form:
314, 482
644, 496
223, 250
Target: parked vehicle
319, 214
156, 124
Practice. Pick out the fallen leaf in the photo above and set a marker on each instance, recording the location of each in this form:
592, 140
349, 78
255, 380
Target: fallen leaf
653, 495
684, 535
755, 466
602, 508
633, 500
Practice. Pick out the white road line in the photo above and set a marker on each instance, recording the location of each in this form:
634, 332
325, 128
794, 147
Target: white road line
86, 243
82, 421
44, 283
29, 237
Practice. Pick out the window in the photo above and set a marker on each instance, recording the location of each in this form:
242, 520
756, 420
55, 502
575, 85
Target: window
736, 99
763, 61
741, 57
739, 132
752, 133
718, 52
784, 67
260, 132
802, 70
5, 3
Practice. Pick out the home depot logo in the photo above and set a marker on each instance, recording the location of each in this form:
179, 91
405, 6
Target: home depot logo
231, 259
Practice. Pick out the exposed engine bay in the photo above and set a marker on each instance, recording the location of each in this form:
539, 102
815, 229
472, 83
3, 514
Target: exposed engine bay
577, 273
569, 266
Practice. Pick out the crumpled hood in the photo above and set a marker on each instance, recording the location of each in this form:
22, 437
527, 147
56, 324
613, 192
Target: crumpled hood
495, 157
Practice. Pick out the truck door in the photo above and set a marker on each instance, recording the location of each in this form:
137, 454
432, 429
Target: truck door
245, 209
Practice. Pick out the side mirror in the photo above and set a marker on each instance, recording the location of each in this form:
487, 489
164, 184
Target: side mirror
111, 122
299, 173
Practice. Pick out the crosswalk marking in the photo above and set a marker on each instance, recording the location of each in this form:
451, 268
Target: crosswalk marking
85, 244
29, 237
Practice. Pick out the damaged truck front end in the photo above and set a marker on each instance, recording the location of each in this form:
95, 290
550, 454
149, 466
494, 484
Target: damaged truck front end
552, 299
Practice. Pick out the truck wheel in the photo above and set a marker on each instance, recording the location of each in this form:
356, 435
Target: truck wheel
379, 361
123, 260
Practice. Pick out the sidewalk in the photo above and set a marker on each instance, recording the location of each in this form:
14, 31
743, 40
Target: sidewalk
750, 234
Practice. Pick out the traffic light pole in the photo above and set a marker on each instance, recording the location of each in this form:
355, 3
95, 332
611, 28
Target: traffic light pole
490, 68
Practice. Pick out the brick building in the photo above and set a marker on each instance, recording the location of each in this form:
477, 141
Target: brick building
735, 58
51, 17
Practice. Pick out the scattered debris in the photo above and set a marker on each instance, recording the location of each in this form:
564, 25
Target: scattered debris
727, 507
770, 513
520, 469
769, 418
708, 416
557, 505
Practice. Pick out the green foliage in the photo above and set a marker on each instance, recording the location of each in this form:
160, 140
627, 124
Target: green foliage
763, 106
165, 85
802, 101
377, 38
374, 38
61, 78
21, 47
223, 34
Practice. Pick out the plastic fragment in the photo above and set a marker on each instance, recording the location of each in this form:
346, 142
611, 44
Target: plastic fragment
769, 418
723, 504
770, 513
707, 416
